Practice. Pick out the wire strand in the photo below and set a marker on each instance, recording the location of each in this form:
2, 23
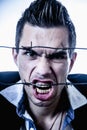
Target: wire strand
9, 47
26, 83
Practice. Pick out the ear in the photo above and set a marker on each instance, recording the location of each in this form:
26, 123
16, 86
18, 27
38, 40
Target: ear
73, 58
15, 55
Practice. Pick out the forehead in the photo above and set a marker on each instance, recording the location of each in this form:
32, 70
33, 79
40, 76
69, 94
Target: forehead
41, 36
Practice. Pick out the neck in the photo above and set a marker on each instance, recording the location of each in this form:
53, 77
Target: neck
50, 123
44, 116
43, 111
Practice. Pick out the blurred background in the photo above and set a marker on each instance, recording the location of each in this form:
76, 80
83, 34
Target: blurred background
10, 12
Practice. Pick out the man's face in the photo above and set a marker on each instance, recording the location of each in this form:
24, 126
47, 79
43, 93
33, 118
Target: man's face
43, 66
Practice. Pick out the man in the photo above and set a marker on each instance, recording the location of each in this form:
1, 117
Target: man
44, 54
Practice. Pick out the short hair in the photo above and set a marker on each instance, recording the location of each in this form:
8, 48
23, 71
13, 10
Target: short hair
46, 13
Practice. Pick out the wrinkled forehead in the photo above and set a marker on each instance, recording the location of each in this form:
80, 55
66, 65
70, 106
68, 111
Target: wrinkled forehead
48, 37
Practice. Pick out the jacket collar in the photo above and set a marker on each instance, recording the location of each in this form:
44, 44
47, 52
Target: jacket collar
14, 94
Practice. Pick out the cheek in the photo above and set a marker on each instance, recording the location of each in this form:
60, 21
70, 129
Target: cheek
25, 69
61, 69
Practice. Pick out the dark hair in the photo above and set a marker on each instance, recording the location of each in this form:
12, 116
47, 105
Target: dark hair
46, 13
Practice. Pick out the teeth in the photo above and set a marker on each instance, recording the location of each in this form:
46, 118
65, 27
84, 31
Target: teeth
43, 91
42, 85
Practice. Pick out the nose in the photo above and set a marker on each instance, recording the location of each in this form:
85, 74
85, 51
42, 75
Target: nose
43, 67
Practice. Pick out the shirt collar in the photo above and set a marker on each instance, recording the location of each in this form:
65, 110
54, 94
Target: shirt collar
14, 94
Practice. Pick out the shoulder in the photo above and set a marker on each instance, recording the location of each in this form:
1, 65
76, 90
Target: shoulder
80, 82
9, 119
80, 121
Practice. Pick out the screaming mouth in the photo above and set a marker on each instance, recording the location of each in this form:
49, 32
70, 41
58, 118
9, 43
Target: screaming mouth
42, 87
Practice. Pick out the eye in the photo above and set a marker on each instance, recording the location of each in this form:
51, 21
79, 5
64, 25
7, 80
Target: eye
58, 56
31, 54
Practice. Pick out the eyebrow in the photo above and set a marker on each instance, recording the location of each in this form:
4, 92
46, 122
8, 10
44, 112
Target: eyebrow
58, 52
26, 48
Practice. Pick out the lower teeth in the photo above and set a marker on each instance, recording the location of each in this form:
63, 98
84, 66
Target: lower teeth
42, 91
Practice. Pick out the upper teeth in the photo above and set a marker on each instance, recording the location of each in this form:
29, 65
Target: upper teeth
42, 88
43, 85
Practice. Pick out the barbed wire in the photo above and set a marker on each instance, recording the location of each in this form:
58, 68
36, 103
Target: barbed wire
66, 48
29, 84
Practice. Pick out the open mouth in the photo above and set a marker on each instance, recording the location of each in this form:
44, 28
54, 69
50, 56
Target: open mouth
42, 87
